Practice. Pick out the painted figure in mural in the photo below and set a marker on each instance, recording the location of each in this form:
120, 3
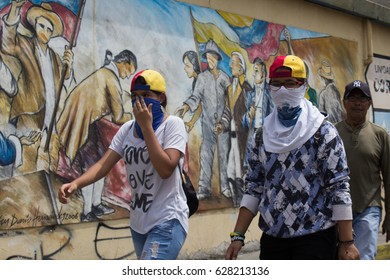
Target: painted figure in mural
8, 89
8, 145
301, 216
259, 102
311, 93
8, 84
192, 69
152, 147
233, 121
98, 97
8, 155
11, 148
329, 100
368, 151
10, 139
38, 83
210, 92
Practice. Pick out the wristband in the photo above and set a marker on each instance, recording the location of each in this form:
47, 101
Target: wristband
347, 242
236, 236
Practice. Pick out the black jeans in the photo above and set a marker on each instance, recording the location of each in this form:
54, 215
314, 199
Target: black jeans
321, 245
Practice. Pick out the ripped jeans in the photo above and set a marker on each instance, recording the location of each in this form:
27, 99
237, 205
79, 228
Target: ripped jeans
162, 242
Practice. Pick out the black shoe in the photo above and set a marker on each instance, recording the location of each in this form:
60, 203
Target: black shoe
90, 217
102, 209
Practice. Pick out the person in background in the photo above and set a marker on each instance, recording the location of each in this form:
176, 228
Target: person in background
98, 98
259, 102
38, 83
232, 121
368, 153
192, 69
297, 178
152, 146
329, 100
210, 92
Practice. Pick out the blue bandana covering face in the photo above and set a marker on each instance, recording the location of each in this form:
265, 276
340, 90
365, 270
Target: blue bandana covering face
289, 116
287, 102
158, 115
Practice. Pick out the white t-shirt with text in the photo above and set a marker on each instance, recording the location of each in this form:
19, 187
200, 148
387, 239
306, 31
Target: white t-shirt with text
153, 200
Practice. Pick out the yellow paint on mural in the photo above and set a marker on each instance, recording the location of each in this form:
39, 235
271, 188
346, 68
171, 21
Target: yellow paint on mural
236, 20
206, 31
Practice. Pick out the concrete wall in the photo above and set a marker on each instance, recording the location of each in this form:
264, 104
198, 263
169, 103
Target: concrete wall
209, 230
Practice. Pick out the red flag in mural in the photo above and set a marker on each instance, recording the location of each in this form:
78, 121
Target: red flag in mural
68, 14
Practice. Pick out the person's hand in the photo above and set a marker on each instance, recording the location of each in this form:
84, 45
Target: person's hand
181, 111
18, 3
287, 34
66, 191
252, 111
142, 113
68, 60
232, 250
218, 128
189, 125
30, 139
348, 252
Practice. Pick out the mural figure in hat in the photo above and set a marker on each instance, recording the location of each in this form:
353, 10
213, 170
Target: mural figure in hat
329, 100
38, 83
91, 104
192, 69
259, 101
10, 139
233, 122
210, 92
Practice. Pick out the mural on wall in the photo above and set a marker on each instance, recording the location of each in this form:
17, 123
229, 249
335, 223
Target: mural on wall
66, 68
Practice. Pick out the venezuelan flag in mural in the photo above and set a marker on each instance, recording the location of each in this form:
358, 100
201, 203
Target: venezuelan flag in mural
231, 32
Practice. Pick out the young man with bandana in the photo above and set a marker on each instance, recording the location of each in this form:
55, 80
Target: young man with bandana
297, 178
152, 147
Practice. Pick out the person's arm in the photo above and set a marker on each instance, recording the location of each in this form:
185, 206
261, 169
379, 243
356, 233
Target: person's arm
14, 12
10, 24
7, 81
93, 174
346, 249
244, 219
337, 182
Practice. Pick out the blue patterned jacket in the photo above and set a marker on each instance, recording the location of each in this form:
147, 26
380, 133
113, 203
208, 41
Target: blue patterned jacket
302, 191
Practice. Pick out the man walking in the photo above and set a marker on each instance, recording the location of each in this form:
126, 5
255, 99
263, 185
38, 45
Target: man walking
368, 153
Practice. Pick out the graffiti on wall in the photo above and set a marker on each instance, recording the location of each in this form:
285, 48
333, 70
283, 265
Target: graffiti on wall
66, 68
52, 242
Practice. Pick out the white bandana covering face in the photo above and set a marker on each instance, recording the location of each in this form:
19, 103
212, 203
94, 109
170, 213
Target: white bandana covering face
288, 97
281, 139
